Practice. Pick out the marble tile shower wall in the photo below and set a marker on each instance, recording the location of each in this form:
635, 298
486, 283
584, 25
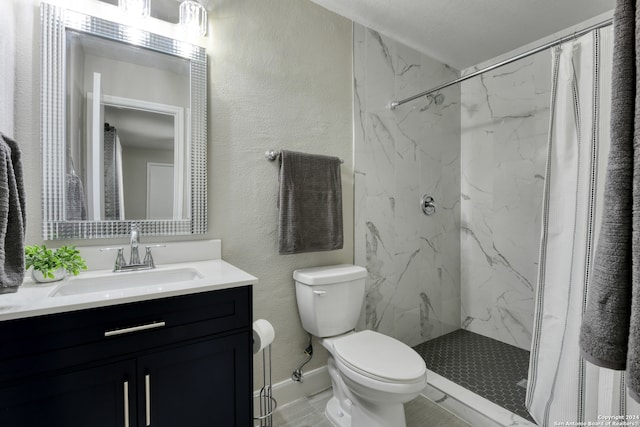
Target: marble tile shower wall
504, 126
413, 287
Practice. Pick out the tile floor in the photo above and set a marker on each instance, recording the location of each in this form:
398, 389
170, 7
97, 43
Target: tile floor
309, 412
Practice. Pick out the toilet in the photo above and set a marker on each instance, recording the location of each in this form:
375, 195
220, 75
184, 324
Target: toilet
372, 374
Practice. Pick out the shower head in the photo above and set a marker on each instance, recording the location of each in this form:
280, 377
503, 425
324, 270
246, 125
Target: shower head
437, 99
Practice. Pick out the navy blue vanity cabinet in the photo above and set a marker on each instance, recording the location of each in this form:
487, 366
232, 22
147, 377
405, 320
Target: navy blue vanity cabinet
95, 397
169, 362
194, 385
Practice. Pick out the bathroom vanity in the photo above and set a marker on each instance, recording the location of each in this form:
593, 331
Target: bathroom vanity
176, 354
171, 346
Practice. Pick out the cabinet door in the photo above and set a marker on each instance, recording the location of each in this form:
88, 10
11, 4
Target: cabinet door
98, 397
205, 384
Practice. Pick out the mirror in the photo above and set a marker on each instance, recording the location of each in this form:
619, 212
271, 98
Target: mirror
123, 129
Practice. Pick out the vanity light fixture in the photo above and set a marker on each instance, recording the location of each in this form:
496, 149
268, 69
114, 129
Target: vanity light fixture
193, 16
136, 8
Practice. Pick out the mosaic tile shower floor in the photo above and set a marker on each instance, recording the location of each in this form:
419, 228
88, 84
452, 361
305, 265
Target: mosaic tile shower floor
487, 367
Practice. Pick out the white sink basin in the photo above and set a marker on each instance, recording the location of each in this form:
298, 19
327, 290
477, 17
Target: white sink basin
120, 281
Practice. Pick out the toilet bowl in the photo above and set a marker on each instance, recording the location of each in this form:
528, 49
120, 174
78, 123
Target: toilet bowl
372, 374
380, 363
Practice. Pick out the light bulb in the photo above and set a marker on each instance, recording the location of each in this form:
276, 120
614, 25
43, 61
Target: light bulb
136, 8
193, 16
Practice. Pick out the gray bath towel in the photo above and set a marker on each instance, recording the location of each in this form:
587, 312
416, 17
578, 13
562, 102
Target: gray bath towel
310, 203
610, 332
12, 217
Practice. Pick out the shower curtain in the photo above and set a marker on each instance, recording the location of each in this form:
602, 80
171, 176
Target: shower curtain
113, 180
562, 387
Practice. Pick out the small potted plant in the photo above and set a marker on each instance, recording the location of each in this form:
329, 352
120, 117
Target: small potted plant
51, 265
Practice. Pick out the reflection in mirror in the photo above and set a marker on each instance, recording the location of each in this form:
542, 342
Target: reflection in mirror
130, 151
129, 146
144, 175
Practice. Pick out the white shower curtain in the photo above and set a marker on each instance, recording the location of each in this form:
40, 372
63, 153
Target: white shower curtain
563, 388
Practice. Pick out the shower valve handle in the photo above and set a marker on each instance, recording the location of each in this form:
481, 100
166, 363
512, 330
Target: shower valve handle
428, 205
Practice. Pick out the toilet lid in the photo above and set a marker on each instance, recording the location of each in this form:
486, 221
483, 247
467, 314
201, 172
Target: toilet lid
379, 356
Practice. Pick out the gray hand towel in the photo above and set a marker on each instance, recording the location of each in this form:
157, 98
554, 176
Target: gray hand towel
12, 217
310, 203
610, 330
74, 195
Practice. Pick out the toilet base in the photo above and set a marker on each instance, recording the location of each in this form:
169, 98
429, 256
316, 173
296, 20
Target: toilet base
336, 415
390, 416
346, 409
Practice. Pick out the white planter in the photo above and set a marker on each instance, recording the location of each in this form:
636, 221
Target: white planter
59, 274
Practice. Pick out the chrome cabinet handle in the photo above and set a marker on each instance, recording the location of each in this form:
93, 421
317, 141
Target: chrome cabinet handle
147, 399
126, 404
128, 330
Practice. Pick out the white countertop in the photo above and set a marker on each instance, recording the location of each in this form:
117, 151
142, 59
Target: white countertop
34, 299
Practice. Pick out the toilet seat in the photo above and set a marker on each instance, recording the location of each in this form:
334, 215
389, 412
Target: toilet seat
379, 357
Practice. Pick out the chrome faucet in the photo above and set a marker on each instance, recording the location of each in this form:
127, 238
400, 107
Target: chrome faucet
134, 259
134, 240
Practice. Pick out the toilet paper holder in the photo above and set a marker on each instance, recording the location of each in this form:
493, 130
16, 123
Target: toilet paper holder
266, 401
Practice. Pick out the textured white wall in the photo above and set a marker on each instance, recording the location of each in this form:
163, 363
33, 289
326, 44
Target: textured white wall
280, 77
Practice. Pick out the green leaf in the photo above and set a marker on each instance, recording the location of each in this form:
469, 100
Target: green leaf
47, 261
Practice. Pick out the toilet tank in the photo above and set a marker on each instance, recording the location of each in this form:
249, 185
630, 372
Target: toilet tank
330, 298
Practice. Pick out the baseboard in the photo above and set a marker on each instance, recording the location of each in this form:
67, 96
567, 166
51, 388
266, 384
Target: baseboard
288, 390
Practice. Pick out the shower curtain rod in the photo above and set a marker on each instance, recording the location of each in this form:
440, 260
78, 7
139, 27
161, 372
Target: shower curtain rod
395, 104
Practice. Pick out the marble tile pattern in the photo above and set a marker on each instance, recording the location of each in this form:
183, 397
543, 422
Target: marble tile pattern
413, 260
504, 128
